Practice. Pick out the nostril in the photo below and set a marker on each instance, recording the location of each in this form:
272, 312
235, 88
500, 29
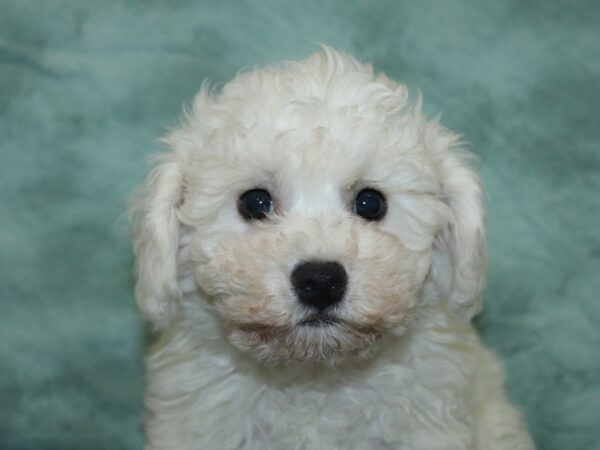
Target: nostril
319, 283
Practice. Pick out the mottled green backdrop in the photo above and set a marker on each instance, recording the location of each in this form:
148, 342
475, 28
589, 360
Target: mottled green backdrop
87, 87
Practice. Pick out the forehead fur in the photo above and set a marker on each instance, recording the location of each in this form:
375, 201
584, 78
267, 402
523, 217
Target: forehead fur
325, 86
327, 91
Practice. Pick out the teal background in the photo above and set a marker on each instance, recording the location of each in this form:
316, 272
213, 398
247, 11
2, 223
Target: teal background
86, 88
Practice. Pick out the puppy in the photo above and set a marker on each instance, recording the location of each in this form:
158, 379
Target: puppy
312, 249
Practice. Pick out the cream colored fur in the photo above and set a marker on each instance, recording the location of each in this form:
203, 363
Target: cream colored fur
233, 369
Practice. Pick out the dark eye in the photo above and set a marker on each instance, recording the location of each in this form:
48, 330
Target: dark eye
255, 204
370, 204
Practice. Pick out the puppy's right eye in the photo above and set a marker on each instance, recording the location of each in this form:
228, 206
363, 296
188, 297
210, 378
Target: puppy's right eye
370, 204
255, 204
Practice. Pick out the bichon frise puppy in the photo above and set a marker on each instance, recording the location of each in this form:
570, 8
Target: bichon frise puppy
313, 249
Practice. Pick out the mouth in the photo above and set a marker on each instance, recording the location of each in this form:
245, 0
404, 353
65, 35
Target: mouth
319, 320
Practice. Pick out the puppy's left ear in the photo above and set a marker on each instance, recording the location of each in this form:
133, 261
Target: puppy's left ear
156, 241
459, 262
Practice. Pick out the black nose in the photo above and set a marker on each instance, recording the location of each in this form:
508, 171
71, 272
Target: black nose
319, 283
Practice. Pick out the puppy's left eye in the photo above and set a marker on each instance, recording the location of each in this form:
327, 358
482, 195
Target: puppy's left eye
255, 204
370, 204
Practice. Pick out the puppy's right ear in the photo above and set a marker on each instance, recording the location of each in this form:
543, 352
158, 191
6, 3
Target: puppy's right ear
156, 241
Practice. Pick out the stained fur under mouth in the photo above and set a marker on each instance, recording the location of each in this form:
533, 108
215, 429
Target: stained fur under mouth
331, 336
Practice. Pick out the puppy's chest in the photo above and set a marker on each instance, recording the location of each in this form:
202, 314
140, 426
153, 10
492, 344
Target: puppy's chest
360, 415
393, 407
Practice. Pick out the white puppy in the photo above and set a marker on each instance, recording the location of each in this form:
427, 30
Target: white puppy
313, 249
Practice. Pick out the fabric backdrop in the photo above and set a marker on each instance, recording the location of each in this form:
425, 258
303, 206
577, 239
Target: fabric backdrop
86, 88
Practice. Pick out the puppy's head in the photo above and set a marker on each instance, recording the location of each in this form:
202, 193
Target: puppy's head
314, 207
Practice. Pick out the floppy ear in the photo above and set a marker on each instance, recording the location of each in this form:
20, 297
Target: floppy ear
156, 241
459, 262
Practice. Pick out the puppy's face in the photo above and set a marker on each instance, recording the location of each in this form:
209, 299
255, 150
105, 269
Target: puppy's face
314, 245
312, 212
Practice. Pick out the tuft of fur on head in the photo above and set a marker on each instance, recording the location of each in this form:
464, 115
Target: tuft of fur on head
313, 133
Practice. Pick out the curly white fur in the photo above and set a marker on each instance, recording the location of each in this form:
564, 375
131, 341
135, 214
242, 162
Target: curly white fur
402, 368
